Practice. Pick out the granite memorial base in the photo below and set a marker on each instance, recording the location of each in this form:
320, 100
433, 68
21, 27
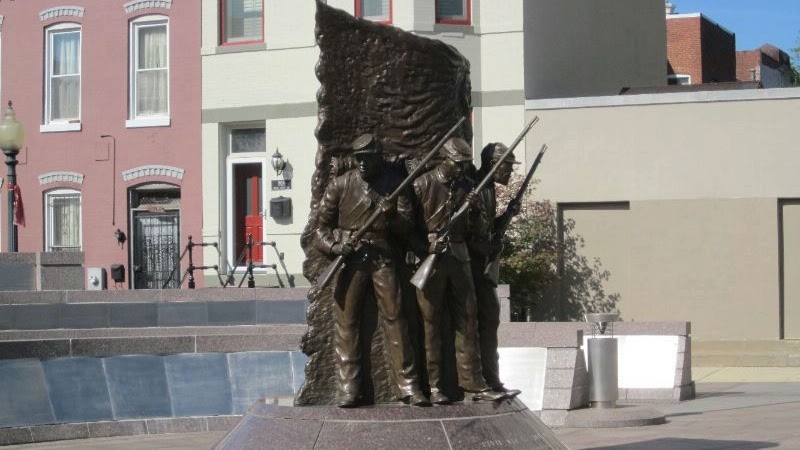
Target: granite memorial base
506, 425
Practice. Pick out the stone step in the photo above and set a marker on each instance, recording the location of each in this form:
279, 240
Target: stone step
162, 340
150, 295
777, 353
144, 314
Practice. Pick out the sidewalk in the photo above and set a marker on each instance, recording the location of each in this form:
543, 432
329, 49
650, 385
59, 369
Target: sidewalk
746, 374
737, 408
730, 416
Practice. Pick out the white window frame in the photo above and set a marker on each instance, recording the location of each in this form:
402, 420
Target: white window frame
224, 40
679, 77
233, 159
49, 228
385, 19
134, 119
73, 124
464, 19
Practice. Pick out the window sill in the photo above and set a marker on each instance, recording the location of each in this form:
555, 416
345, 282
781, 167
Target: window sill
453, 29
236, 48
59, 127
148, 122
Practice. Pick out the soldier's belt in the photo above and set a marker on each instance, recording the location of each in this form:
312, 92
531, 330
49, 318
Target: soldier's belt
450, 239
370, 237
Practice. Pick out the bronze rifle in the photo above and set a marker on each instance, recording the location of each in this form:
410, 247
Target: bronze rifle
327, 275
492, 270
422, 274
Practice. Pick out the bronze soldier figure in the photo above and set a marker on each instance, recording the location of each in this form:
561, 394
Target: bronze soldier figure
370, 264
483, 244
438, 194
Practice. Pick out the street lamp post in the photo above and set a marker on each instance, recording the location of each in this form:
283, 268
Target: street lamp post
12, 137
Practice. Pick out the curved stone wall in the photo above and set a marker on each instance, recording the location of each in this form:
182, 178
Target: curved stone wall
119, 388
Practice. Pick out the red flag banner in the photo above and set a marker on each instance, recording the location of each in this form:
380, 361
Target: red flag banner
19, 209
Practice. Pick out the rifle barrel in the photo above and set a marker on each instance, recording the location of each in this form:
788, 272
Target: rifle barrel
511, 148
420, 277
326, 276
529, 176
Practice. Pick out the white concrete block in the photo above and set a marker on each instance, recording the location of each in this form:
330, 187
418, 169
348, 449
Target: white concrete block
524, 369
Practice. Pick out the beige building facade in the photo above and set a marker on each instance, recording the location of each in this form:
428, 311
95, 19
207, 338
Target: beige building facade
593, 47
691, 201
259, 97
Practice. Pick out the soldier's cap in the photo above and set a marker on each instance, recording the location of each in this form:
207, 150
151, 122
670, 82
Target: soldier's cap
499, 150
366, 144
457, 149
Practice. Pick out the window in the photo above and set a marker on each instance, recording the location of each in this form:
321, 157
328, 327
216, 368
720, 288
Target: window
679, 79
242, 21
149, 78
63, 76
248, 140
375, 10
453, 11
63, 220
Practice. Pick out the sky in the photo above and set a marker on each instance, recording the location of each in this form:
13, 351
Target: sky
755, 22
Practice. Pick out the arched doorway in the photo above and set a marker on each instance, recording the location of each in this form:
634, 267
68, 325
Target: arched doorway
155, 236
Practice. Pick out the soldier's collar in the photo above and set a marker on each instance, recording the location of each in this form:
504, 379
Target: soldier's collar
441, 176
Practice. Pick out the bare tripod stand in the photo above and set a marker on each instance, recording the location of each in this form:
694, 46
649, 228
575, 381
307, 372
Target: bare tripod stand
248, 274
191, 268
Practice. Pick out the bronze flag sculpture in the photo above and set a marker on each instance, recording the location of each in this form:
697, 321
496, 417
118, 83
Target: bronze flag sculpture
391, 183
390, 180
408, 91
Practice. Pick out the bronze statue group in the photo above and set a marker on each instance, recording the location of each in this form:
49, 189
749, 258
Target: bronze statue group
447, 215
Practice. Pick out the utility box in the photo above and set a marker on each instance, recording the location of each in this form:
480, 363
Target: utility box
95, 279
118, 273
280, 207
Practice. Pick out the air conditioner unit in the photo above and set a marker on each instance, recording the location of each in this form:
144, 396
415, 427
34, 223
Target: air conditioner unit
95, 279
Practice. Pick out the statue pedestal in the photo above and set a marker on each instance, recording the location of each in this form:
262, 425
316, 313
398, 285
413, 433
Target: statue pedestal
505, 425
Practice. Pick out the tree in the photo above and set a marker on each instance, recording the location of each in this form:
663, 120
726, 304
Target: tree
795, 66
549, 278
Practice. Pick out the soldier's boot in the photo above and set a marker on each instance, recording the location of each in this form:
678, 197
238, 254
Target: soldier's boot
510, 393
488, 395
437, 398
417, 399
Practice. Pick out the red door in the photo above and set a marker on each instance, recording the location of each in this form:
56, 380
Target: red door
249, 207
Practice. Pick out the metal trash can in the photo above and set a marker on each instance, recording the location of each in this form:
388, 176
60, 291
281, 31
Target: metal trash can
602, 357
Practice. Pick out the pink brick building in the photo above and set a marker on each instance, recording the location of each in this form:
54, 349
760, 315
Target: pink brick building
109, 94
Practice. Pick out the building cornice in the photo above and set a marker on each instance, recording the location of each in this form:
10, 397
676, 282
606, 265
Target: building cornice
153, 171
136, 5
60, 177
61, 11
701, 16
663, 99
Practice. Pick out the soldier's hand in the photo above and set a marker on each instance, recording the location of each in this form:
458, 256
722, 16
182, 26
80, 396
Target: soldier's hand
342, 249
473, 199
387, 206
437, 246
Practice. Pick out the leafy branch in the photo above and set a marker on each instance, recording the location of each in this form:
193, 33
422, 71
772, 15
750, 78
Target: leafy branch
550, 279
